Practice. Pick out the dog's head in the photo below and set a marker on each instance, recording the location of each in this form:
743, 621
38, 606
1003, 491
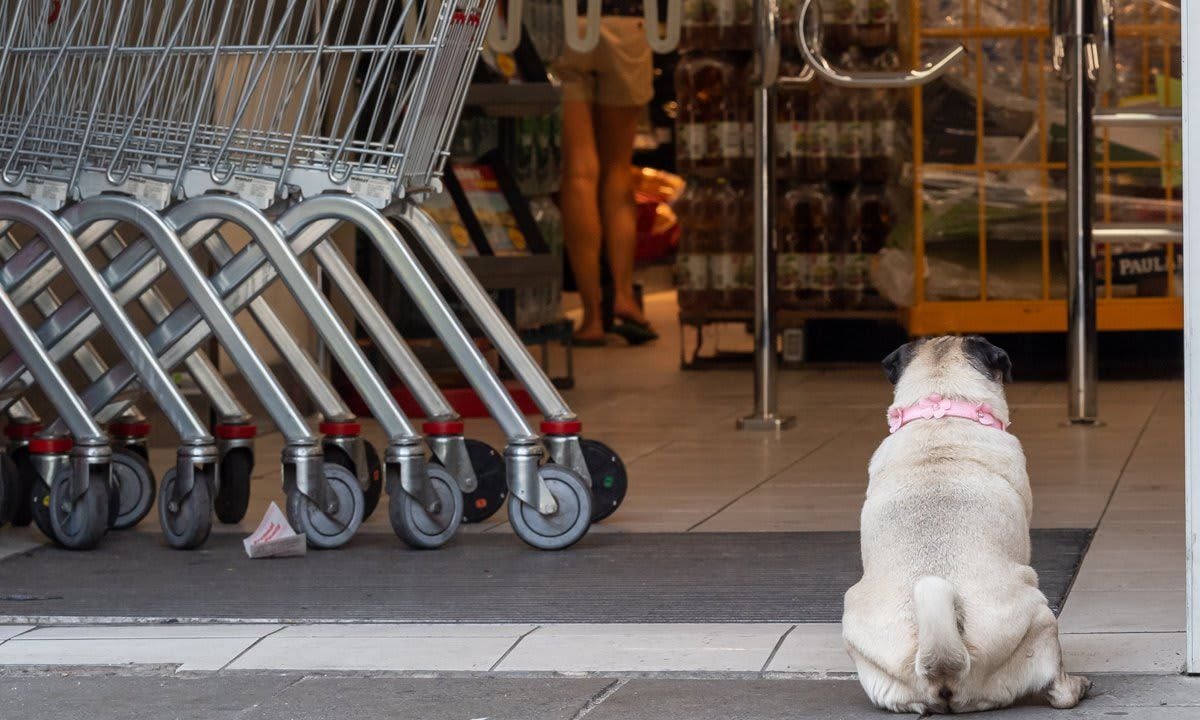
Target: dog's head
968, 368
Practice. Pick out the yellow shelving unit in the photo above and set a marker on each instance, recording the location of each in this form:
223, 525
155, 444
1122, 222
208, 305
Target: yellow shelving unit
1141, 24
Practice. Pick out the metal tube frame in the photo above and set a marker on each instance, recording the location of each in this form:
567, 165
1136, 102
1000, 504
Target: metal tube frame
302, 458
1074, 30
1191, 327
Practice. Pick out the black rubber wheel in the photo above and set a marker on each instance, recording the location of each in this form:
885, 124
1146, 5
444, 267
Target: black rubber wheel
135, 486
609, 479
187, 523
491, 488
26, 478
80, 524
39, 508
233, 485
415, 525
9, 489
374, 489
322, 530
137, 447
562, 528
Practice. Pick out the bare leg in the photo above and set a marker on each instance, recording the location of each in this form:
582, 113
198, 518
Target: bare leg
581, 229
615, 131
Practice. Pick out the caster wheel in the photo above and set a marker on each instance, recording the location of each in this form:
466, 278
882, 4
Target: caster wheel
609, 480
374, 489
135, 486
25, 480
137, 447
187, 522
39, 508
9, 489
492, 487
418, 527
564, 527
233, 485
79, 524
321, 529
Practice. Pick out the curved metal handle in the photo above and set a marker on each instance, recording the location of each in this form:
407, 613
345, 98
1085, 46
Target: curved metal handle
912, 78
506, 40
1104, 41
591, 32
766, 63
667, 40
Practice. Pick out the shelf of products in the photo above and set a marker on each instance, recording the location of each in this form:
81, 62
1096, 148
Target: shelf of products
838, 160
987, 224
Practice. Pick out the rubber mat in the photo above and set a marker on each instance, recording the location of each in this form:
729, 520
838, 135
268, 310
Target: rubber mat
608, 577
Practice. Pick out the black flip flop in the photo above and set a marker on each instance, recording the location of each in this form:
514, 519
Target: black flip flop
635, 333
589, 342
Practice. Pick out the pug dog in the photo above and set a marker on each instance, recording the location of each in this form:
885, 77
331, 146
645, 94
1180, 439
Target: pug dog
948, 616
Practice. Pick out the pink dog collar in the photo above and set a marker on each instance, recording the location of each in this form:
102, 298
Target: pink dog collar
936, 407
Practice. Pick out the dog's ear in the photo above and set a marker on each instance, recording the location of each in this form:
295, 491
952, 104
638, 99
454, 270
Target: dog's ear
894, 364
987, 358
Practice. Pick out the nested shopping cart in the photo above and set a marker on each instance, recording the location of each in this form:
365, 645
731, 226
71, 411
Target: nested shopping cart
145, 137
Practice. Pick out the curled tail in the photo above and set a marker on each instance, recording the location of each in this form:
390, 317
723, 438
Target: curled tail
942, 658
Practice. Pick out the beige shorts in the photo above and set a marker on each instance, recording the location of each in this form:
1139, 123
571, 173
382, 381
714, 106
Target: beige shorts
618, 71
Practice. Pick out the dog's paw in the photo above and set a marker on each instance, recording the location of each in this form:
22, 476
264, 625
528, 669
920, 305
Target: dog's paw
1068, 690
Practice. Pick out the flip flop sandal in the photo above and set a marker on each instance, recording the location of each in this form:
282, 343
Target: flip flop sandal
589, 342
635, 333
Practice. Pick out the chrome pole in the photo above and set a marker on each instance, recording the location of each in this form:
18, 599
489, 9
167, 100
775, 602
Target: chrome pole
766, 363
1081, 267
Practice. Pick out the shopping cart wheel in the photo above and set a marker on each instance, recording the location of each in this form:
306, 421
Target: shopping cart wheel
374, 488
491, 482
9, 489
187, 522
233, 485
417, 526
138, 447
322, 529
564, 527
609, 480
135, 487
39, 508
26, 478
79, 524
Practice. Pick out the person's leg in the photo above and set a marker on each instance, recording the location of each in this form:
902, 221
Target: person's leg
582, 229
616, 127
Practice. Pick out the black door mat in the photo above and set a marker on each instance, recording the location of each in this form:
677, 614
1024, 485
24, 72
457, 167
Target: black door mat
607, 578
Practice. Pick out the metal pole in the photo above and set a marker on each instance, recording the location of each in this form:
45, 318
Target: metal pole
766, 401
1191, 326
1081, 268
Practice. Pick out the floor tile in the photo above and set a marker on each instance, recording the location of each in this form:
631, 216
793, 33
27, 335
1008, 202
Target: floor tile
1088, 611
401, 630
815, 648
645, 648
11, 631
1124, 652
361, 652
189, 654
151, 632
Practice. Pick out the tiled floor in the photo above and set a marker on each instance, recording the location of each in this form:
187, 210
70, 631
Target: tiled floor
692, 472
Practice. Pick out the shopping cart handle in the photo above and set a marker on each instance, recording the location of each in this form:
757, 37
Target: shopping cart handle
504, 34
666, 39
810, 47
591, 32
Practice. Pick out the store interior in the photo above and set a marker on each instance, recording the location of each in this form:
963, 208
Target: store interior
963, 179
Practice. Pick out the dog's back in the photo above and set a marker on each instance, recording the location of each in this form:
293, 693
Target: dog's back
947, 616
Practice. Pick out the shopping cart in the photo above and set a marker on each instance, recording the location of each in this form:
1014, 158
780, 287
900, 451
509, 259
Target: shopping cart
163, 151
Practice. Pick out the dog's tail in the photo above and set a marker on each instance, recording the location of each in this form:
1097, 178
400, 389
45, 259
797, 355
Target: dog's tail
942, 657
